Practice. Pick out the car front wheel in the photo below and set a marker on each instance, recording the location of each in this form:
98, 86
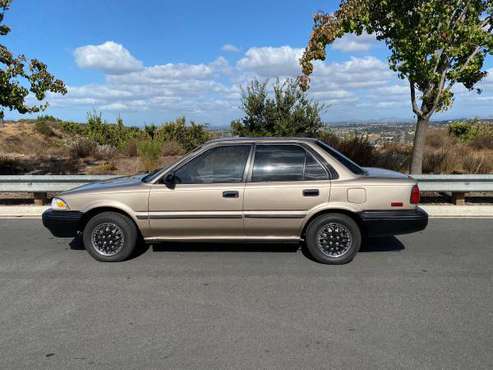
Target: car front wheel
333, 238
110, 237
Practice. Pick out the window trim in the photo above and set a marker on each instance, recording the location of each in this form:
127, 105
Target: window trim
303, 146
205, 150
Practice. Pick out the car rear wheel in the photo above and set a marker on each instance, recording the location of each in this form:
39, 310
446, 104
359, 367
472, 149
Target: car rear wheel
333, 238
110, 237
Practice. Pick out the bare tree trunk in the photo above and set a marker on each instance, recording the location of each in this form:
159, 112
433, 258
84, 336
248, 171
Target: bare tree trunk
419, 146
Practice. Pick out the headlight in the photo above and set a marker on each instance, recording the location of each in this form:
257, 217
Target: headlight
57, 203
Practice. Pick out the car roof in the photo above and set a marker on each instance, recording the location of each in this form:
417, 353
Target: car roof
261, 139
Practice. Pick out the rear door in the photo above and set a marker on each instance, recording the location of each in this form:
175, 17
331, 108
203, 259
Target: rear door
286, 181
207, 199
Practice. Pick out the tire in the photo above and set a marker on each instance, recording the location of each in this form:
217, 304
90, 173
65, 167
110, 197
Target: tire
110, 237
333, 239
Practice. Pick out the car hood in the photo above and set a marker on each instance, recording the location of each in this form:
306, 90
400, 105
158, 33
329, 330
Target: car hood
114, 183
383, 173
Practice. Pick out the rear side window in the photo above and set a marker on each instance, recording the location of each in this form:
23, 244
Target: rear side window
224, 164
285, 163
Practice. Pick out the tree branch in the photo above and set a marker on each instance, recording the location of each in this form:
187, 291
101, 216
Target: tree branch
438, 56
439, 93
416, 109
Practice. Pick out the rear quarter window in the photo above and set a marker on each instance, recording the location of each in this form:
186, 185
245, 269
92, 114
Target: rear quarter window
345, 161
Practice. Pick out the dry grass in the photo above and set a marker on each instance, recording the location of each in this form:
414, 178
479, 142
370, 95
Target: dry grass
23, 149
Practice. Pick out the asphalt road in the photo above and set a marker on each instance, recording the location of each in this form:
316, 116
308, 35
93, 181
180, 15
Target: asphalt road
419, 301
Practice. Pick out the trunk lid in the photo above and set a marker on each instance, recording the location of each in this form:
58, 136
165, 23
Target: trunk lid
382, 173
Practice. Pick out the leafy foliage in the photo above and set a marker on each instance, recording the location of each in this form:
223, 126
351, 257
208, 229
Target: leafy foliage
287, 112
20, 76
188, 136
175, 137
434, 44
474, 133
149, 152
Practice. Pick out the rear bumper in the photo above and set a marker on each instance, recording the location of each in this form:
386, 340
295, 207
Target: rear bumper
384, 223
63, 224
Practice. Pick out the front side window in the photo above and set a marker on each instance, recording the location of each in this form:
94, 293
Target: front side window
285, 163
224, 164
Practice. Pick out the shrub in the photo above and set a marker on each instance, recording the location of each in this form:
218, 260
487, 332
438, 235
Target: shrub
104, 152
358, 148
149, 152
106, 168
73, 128
469, 131
438, 138
82, 148
444, 160
461, 130
329, 137
172, 148
188, 136
482, 142
394, 157
47, 118
132, 147
43, 128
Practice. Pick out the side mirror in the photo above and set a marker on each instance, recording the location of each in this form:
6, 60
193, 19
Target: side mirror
169, 180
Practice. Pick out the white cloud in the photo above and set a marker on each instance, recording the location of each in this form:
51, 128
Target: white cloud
230, 48
393, 90
211, 92
270, 62
110, 57
353, 43
114, 107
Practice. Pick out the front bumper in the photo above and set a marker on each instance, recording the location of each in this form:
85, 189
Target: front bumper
394, 222
63, 224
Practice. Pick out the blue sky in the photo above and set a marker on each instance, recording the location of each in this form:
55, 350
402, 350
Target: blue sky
152, 61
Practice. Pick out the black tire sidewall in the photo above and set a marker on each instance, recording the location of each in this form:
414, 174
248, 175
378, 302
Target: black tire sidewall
311, 238
128, 228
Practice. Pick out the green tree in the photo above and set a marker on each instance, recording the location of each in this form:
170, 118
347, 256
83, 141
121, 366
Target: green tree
150, 130
434, 44
20, 76
286, 112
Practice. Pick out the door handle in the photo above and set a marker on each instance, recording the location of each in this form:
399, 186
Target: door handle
231, 194
311, 192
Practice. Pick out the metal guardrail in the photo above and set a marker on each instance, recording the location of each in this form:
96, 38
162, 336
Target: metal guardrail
457, 185
45, 183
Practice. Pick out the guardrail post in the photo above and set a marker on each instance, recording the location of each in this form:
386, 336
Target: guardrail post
459, 199
40, 198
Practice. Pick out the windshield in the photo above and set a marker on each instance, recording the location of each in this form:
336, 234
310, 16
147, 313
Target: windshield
154, 174
349, 164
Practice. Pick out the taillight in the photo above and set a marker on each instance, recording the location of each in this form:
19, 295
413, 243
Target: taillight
415, 196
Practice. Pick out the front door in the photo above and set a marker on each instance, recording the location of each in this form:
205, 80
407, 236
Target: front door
206, 201
286, 182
